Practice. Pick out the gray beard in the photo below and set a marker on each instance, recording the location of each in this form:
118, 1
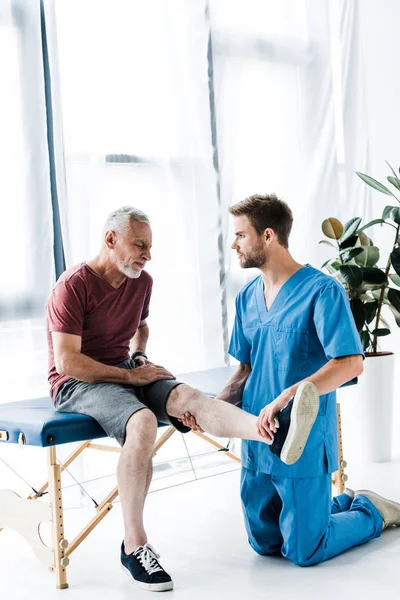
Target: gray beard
129, 272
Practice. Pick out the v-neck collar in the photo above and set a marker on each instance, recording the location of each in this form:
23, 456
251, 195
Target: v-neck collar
107, 283
281, 296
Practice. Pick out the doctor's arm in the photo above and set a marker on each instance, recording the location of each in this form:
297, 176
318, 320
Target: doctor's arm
331, 376
233, 390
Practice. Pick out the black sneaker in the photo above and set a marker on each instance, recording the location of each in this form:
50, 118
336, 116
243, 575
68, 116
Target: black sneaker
145, 569
295, 423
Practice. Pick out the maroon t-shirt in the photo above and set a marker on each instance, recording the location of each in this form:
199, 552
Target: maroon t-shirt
85, 304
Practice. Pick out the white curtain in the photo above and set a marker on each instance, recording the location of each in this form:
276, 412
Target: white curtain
275, 116
135, 98
26, 242
380, 48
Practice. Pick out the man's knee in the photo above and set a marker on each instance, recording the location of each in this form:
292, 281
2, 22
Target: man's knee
183, 398
302, 558
301, 561
142, 427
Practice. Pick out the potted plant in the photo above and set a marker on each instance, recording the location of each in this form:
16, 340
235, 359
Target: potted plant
371, 285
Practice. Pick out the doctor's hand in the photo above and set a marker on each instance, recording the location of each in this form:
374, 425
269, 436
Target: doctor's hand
189, 420
267, 423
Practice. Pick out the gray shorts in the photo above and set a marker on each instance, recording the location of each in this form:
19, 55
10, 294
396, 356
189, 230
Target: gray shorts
112, 404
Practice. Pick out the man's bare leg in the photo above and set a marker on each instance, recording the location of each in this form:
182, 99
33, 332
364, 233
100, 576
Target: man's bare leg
134, 475
214, 416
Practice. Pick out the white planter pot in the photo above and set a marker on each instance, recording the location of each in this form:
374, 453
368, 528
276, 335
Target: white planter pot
367, 412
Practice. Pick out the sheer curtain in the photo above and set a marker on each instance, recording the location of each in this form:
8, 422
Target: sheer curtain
26, 243
275, 115
137, 130
382, 98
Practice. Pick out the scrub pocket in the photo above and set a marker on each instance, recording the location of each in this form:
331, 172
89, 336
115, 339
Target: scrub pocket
290, 349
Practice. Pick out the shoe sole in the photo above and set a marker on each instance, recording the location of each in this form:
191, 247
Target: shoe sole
368, 494
150, 587
304, 412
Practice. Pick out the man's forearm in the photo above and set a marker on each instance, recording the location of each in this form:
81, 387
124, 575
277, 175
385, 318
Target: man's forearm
334, 374
139, 340
232, 392
81, 367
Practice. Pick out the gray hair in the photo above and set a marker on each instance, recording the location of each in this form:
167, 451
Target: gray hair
119, 219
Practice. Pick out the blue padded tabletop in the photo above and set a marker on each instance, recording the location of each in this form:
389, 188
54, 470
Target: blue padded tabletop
43, 426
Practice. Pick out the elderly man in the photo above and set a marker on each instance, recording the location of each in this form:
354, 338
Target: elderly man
95, 310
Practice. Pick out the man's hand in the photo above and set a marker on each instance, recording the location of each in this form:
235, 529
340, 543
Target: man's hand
148, 374
189, 420
267, 425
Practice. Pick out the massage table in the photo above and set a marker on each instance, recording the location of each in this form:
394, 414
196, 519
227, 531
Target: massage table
36, 423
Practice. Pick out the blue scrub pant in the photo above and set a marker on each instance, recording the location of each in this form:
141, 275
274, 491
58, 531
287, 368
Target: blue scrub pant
296, 517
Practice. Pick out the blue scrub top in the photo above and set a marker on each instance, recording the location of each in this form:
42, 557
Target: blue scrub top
309, 323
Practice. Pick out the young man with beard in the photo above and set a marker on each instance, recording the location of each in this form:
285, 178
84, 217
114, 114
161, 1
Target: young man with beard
294, 324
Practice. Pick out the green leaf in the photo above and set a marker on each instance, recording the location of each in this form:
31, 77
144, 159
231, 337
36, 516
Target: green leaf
391, 168
351, 274
386, 212
395, 215
347, 250
357, 308
395, 279
334, 273
369, 256
380, 332
391, 212
332, 228
350, 228
364, 239
327, 262
394, 297
394, 181
336, 265
371, 223
395, 258
327, 243
349, 243
396, 313
374, 184
351, 253
364, 336
373, 275
370, 309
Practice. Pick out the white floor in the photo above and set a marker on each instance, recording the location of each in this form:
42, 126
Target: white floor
198, 529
